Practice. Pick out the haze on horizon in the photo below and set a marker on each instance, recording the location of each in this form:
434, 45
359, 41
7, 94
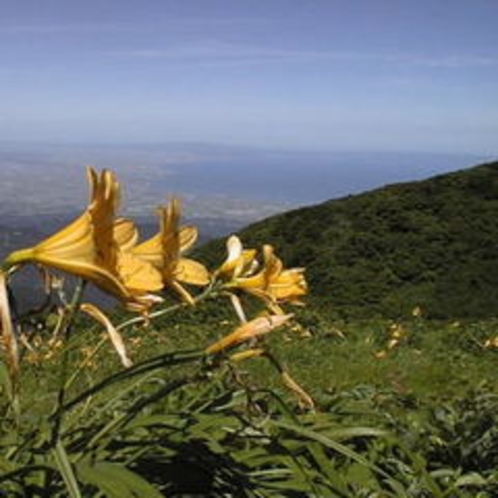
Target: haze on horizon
281, 74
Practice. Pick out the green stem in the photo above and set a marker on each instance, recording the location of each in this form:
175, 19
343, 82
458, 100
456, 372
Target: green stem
145, 319
210, 291
155, 363
72, 309
65, 331
134, 409
84, 363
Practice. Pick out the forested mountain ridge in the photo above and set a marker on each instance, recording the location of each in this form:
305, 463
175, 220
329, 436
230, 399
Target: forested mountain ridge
430, 243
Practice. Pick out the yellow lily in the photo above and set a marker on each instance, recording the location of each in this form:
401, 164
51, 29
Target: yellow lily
164, 251
249, 330
240, 262
96, 247
273, 283
491, 343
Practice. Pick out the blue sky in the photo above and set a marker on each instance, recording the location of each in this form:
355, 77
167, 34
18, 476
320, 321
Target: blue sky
304, 74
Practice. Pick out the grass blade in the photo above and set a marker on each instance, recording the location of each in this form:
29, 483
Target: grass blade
66, 470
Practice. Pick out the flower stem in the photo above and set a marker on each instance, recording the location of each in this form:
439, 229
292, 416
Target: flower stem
16, 258
210, 291
65, 331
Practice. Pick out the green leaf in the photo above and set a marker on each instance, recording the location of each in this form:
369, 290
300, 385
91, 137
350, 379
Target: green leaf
66, 470
156, 363
116, 481
330, 443
5, 384
356, 432
472, 479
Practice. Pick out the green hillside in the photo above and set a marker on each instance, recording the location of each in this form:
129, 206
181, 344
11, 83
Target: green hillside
431, 243
187, 401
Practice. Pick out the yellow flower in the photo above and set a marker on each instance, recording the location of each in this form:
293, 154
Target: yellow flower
273, 283
96, 247
247, 354
254, 328
240, 262
380, 355
491, 343
164, 251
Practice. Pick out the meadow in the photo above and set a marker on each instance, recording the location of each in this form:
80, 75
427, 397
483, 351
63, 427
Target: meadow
417, 418
229, 379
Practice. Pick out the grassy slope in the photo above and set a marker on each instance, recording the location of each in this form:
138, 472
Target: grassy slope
435, 226
435, 392
433, 361
430, 243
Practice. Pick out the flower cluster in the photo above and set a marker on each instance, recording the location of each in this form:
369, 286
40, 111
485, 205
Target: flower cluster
103, 248
397, 334
272, 283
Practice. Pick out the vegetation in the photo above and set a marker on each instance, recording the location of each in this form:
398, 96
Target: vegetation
430, 244
419, 420
222, 392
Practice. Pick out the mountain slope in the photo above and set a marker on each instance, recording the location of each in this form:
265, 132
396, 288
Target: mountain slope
432, 243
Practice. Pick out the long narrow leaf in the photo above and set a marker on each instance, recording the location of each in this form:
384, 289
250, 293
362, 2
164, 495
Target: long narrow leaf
155, 363
66, 470
116, 481
330, 443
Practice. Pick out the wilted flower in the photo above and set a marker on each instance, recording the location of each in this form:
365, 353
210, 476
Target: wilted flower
96, 247
305, 400
254, 328
247, 354
114, 335
8, 338
164, 252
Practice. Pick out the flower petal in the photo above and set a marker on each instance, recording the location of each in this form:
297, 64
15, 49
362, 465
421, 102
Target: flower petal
188, 237
191, 272
125, 234
137, 274
114, 335
254, 328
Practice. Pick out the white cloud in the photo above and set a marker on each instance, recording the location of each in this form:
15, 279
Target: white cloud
80, 27
43, 29
230, 53
450, 61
